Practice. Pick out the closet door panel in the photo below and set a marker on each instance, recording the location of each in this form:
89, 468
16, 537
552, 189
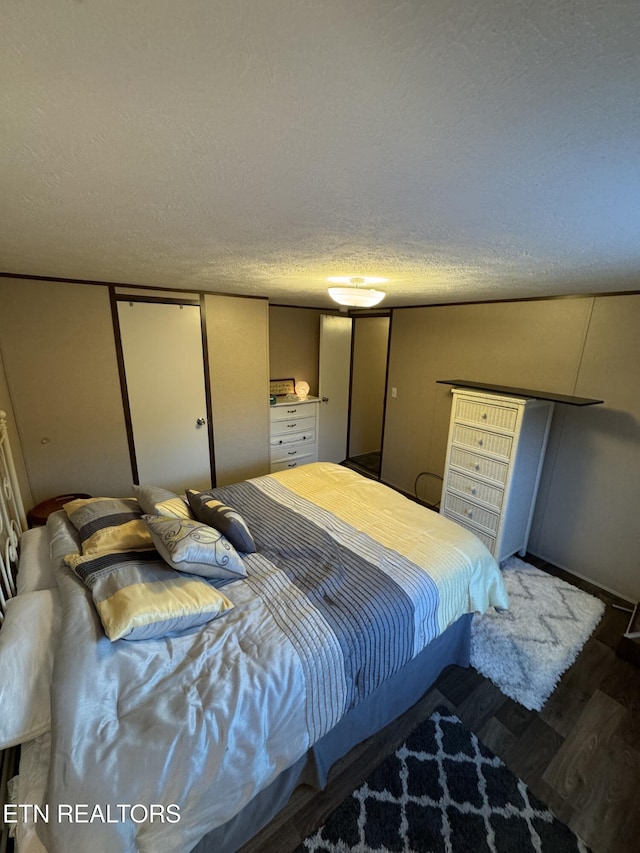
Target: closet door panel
164, 369
60, 360
238, 345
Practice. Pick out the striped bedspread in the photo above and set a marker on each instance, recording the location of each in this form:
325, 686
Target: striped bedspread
355, 609
350, 581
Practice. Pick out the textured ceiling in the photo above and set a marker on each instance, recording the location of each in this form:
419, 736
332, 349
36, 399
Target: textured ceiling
463, 149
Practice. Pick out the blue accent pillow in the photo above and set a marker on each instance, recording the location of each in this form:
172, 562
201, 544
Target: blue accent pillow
228, 521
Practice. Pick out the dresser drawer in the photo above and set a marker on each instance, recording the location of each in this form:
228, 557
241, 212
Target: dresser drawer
483, 466
460, 508
476, 490
291, 412
293, 450
488, 442
487, 540
292, 438
489, 415
293, 425
284, 464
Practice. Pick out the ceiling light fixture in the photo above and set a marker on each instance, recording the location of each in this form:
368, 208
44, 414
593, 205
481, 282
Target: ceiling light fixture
356, 296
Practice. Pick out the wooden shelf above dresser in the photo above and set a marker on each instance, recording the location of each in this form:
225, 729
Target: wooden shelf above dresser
568, 399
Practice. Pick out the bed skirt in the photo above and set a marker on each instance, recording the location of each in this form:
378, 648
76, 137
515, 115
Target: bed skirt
395, 696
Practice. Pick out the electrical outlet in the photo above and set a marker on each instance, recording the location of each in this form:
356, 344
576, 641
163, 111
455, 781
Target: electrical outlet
394, 392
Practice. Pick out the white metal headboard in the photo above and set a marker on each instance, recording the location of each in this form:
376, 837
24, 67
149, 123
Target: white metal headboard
12, 523
12, 518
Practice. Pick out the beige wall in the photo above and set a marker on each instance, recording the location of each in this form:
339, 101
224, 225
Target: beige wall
587, 512
370, 340
587, 347
60, 361
294, 343
6, 405
238, 344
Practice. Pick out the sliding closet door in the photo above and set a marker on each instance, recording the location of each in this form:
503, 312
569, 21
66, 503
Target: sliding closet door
368, 378
62, 373
164, 369
334, 376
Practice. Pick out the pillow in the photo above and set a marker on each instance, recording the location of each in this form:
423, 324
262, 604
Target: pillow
138, 596
189, 546
27, 643
34, 570
108, 524
229, 522
63, 539
154, 500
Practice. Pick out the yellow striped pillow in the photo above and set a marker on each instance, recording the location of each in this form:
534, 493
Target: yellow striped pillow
138, 597
108, 524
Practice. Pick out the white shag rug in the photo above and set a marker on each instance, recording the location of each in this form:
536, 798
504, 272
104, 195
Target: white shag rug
526, 649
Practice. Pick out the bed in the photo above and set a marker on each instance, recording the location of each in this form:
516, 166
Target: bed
345, 606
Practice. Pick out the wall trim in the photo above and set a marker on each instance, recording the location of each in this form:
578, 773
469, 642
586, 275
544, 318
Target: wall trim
126, 407
323, 309
208, 396
97, 282
162, 300
520, 299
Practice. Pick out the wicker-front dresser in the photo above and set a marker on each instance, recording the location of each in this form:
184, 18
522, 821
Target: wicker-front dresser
494, 459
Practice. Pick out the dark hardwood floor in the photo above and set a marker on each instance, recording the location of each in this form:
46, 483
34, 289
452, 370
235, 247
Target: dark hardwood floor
580, 754
365, 463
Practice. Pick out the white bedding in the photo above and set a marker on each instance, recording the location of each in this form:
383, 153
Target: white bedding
29, 788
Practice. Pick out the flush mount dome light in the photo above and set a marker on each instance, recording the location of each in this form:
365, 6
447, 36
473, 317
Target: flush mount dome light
356, 295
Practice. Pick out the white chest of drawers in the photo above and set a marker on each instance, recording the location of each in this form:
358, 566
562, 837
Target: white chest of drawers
293, 433
494, 459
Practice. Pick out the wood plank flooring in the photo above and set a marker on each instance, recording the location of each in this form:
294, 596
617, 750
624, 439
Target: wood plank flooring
580, 754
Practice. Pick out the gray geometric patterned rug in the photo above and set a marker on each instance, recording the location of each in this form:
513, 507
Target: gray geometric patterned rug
442, 791
525, 650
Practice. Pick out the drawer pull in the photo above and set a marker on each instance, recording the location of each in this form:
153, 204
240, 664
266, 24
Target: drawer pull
293, 411
477, 466
480, 442
292, 465
291, 426
484, 416
473, 491
469, 514
292, 453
